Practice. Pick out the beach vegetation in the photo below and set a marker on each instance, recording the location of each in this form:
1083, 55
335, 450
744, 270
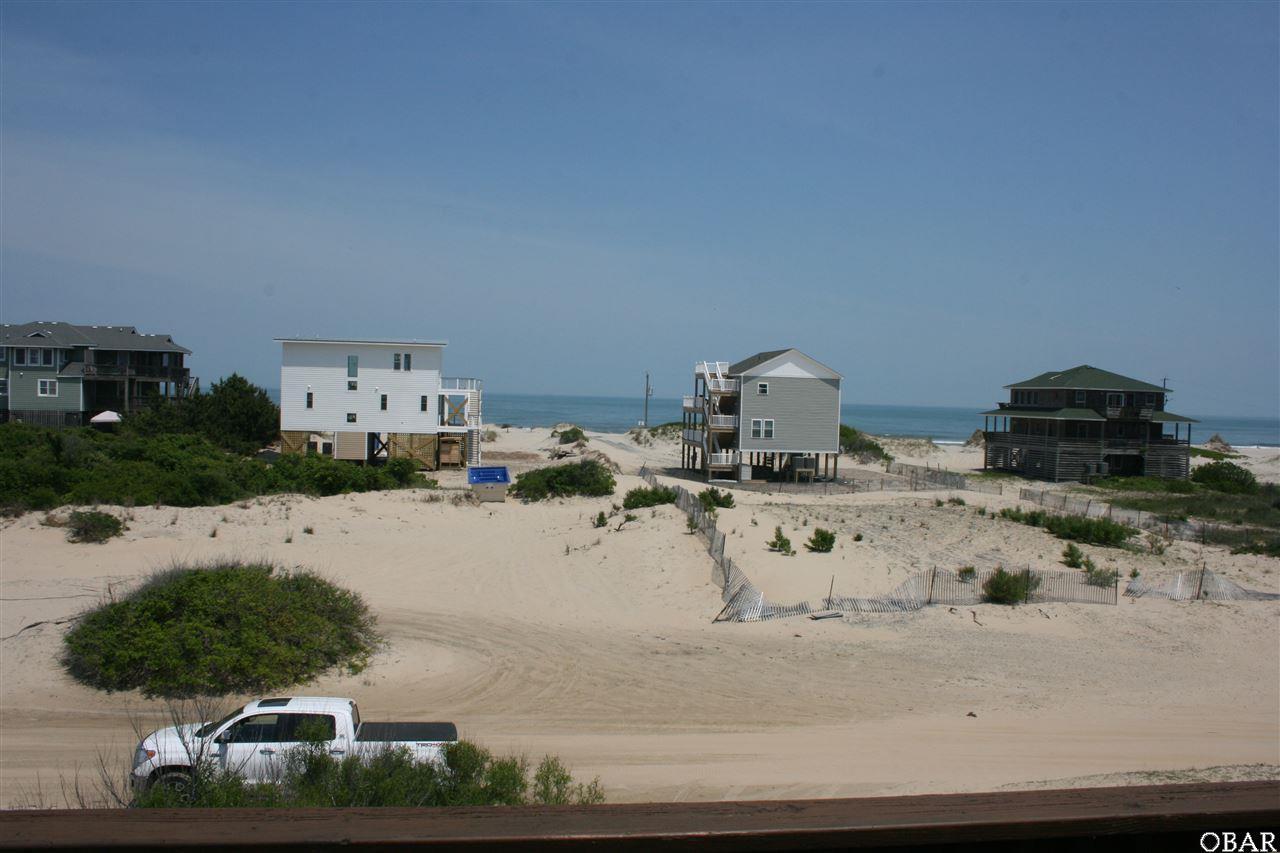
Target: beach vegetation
861, 445
234, 414
966, 573
712, 499
570, 435
1072, 556
780, 543
1092, 531
601, 520
1095, 576
641, 497
1216, 455
857, 537
587, 477
93, 526
1226, 477
956, 501
1004, 587
223, 628
822, 541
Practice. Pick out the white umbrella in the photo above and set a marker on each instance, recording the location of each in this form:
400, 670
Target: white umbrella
107, 417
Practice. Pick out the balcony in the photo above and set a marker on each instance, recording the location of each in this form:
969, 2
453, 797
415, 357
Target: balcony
455, 383
723, 460
694, 404
722, 386
706, 368
144, 371
693, 436
723, 421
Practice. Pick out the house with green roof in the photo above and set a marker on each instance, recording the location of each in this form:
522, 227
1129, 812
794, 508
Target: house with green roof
773, 415
1086, 422
62, 374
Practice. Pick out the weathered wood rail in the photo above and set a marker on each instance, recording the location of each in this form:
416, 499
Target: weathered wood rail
1151, 817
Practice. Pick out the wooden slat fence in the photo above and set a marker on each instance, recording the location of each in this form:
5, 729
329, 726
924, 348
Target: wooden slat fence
1194, 585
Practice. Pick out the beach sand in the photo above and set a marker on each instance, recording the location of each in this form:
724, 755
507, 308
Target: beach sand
537, 633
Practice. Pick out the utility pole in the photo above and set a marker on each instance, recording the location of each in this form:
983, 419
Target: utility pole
648, 392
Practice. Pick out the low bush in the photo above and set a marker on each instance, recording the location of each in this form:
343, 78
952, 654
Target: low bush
857, 537
93, 526
1095, 576
1216, 455
641, 497
956, 501
822, 541
601, 520
1093, 531
1072, 557
779, 542
587, 477
1009, 587
312, 778
966, 573
1145, 484
572, 435
860, 444
1226, 477
229, 627
712, 498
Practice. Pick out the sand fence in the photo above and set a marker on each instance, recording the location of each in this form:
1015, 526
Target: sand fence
1195, 585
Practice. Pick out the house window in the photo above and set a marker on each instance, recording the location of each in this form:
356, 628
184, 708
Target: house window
768, 428
1080, 398
395, 361
757, 426
408, 361
1115, 401
48, 357
384, 402
48, 388
311, 399
352, 385
762, 388
19, 355
351, 417
353, 365
422, 403
4, 352
4, 387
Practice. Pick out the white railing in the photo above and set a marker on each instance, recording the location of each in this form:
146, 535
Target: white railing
694, 435
728, 458
722, 386
724, 421
693, 404
456, 383
708, 368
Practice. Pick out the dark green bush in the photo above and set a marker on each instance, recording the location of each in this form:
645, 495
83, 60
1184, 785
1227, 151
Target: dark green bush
779, 542
860, 444
93, 526
712, 498
1072, 556
601, 520
1094, 531
822, 541
234, 414
966, 573
229, 628
641, 497
1226, 477
1009, 587
572, 435
587, 477
1095, 576
312, 778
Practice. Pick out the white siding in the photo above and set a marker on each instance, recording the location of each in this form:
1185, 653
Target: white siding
321, 367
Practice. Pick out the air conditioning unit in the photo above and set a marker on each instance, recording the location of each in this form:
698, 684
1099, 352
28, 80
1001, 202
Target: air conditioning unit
1103, 469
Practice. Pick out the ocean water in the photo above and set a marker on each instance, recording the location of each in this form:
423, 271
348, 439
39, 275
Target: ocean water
941, 423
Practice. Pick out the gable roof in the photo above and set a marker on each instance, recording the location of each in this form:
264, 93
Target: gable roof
1087, 378
65, 335
748, 365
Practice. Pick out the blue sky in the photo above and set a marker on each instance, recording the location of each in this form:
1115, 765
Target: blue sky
934, 199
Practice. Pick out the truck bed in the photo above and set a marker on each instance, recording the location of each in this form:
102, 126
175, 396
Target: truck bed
406, 732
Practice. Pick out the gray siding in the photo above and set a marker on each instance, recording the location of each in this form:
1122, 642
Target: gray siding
24, 390
805, 412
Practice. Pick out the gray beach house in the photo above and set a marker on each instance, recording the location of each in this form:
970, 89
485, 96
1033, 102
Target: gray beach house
61, 374
773, 415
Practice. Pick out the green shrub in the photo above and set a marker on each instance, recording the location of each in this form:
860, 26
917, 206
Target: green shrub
857, 537
712, 498
966, 573
571, 435
587, 477
234, 414
1009, 587
1095, 576
641, 497
93, 526
601, 520
956, 501
822, 541
312, 778
779, 542
1093, 531
1217, 455
859, 444
230, 627
1072, 557
1226, 477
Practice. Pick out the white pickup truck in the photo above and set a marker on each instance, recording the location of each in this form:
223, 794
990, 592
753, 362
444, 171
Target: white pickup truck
252, 740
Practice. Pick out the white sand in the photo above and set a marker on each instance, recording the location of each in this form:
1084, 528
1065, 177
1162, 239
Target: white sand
607, 655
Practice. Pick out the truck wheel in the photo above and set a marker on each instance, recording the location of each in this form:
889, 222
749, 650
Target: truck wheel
177, 781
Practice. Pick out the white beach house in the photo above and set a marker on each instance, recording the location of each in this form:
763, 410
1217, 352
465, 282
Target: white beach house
365, 400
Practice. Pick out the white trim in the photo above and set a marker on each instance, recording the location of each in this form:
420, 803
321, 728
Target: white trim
762, 385
362, 342
43, 383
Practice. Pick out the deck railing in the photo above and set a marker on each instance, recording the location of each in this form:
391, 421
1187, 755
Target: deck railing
722, 386
723, 421
705, 368
724, 458
457, 383
173, 374
692, 435
692, 403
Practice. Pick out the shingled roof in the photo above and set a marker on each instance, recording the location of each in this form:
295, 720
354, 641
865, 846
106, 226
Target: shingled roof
1087, 378
66, 335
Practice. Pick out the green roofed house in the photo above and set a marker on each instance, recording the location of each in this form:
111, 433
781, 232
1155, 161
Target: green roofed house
1086, 422
61, 374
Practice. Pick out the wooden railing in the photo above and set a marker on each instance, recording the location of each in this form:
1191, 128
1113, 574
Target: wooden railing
723, 421
1149, 817
145, 371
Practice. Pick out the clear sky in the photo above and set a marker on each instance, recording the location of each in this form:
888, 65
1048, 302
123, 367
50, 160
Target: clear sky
934, 199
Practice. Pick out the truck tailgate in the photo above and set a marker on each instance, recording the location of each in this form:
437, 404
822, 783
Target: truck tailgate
406, 732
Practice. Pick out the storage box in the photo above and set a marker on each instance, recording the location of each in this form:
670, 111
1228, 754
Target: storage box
489, 484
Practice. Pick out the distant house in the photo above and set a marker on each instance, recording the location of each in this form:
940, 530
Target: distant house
62, 374
366, 400
775, 414
1086, 422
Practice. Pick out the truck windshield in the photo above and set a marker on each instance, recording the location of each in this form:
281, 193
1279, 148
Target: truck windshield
209, 728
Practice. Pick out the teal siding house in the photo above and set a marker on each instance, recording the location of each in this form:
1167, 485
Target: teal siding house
61, 374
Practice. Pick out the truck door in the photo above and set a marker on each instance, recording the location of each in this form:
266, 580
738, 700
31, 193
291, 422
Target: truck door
249, 746
321, 729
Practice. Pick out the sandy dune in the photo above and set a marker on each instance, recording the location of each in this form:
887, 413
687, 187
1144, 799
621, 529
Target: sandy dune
537, 633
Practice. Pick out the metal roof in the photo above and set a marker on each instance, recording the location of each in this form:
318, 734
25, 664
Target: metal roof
1087, 378
362, 341
1171, 418
59, 335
